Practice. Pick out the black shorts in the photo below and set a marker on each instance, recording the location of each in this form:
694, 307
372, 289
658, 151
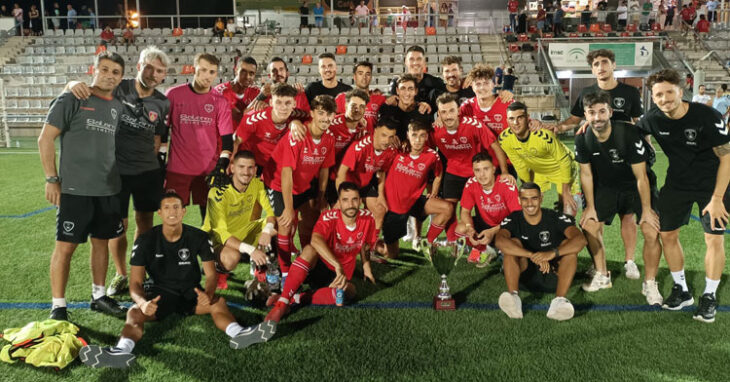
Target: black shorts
453, 186
276, 198
611, 202
675, 206
395, 225
370, 190
330, 193
320, 276
531, 279
145, 190
479, 224
172, 301
80, 216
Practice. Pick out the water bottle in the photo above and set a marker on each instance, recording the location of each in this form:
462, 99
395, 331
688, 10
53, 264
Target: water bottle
339, 296
273, 277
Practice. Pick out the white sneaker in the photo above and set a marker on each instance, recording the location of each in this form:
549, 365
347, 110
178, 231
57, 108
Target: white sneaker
650, 289
510, 304
631, 270
560, 309
410, 229
598, 282
591, 271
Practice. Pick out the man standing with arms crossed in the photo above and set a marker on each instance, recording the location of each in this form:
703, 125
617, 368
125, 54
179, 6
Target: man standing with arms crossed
697, 143
86, 187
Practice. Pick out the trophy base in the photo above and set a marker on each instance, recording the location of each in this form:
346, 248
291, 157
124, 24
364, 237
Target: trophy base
448, 304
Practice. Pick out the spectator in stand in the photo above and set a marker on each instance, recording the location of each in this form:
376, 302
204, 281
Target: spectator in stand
721, 102
230, 28
602, 11
219, 28
558, 19
107, 36
702, 27
373, 20
362, 12
18, 15
669, 19
4, 11
71, 16
318, 14
405, 18
444, 15
92, 19
508, 82
690, 82
623, 15
522, 22
540, 19
304, 15
127, 36
57, 21
34, 21
585, 16
498, 73
711, 10
513, 6
702, 97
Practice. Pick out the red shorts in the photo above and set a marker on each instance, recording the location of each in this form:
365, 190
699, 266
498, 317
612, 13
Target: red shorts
184, 184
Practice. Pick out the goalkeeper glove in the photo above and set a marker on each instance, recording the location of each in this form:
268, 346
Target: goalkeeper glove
218, 177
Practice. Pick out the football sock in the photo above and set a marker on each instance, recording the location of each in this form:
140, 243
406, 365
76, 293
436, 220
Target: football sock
97, 291
679, 279
451, 230
58, 302
434, 230
297, 274
284, 252
711, 285
233, 329
125, 344
324, 296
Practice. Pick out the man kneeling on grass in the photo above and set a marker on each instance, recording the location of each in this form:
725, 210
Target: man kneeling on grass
168, 254
328, 263
538, 239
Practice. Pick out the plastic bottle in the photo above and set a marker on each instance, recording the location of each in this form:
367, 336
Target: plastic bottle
339, 297
273, 276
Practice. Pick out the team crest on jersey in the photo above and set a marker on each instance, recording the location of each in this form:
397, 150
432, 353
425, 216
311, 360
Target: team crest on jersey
614, 154
114, 113
544, 236
324, 151
619, 102
208, 108
68, 226
183, 254
152, 116
359, 235
498, 117
464, 139
421, 166
691, 134
497, 198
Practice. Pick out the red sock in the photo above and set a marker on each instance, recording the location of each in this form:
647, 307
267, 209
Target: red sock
297, 273
324, 296
451, 230
284, 252
433, 232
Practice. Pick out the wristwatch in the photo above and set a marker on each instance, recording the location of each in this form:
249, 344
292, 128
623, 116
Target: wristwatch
53, 179
557, 253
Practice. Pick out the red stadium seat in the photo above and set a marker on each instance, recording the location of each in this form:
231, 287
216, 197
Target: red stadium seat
582, 28
631, 28
595, 28
188, 69
532, 29
573, 35
625, 34
656, 27
547, 35
99, 49
514, 48
341, 49
523, 37
606, 28
177, 32
649, 34
599, 34
307, 59
431, 31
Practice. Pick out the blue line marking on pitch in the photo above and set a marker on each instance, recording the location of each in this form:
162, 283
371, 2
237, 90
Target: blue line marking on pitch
700, 220
396, 305
28, 214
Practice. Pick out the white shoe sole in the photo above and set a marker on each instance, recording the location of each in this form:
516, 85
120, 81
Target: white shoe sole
95, 356
254, 335
702, 319
684, 303
658, 300
588, 287
507, 304
563, 313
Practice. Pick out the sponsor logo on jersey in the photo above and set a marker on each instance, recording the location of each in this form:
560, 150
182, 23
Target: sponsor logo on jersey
195, 119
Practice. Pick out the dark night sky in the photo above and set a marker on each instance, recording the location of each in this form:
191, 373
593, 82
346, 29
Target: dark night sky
108, 7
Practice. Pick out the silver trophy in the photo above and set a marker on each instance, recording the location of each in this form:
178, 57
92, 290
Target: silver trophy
443, 258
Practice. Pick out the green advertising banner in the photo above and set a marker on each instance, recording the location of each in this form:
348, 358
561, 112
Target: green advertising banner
573, 55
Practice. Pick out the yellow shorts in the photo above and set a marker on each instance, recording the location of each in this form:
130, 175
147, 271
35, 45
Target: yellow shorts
248, 234
545, 182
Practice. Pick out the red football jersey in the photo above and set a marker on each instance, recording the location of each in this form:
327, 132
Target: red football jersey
259, 133
346, 242
407, 178
460, 146
371, 110
494, 117
237, 101
363, 161
302, 103
493, 205
343, 137
305, 157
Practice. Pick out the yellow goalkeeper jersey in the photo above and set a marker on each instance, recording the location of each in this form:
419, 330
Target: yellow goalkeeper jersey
229, 211
542, 153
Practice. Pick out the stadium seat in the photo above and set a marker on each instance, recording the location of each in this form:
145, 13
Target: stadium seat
631, 28
606, 28
595, 28
307, 59
582, 28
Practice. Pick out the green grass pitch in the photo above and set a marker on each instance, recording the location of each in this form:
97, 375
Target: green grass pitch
390, 333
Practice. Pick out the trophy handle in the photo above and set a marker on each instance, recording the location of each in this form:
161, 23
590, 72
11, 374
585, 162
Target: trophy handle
462, 242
